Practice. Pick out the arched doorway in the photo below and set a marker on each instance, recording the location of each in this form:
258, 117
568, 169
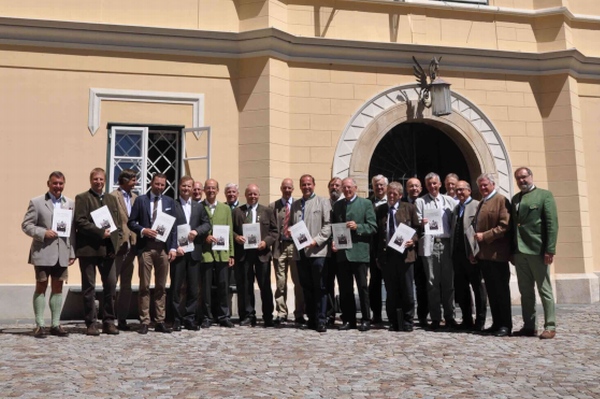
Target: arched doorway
467, 127
415, 149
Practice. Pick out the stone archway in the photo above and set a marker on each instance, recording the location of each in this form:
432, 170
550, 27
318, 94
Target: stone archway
467, 126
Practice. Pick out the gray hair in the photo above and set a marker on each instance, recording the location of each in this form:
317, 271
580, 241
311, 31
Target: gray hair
487, 176
453, 175
529, 172
232, 185
396, 186
376, 178
351, 180
432, 175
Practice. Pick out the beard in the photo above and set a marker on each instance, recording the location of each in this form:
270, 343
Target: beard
334, 195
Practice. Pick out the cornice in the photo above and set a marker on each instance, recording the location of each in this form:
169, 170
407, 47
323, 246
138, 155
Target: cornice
271, 42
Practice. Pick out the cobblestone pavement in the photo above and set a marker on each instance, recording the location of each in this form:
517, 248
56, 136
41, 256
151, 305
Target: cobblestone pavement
289, 363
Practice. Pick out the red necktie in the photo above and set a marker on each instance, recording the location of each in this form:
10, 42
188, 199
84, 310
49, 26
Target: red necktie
286, 221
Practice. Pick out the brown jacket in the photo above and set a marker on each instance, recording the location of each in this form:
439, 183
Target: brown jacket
268, 231
128, 235
493, 220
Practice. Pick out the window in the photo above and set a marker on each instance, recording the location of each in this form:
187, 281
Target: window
171, 150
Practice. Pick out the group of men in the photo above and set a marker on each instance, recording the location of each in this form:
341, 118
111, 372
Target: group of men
459, 245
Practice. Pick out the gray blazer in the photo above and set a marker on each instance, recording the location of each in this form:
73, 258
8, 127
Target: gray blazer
468, 216
317, 217
37, 220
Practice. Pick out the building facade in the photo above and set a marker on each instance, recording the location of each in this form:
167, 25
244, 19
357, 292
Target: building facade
259, 90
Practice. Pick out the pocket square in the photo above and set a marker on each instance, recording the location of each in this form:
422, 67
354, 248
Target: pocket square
533, 207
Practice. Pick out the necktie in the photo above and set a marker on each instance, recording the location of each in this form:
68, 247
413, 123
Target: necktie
461, 210
286, 221
391, 222
155, 209
249, 215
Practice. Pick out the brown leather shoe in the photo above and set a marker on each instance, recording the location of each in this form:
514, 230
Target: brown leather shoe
548, 334
525, 332
93, 330
39, 332
110, 328
59, 331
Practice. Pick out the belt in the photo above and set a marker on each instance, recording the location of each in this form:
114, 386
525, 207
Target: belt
439, 239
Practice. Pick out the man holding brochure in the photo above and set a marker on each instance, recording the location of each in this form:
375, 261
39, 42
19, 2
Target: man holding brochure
396, 256
254, 232
356, 217
99, 234
192, 226
157, 246
314, 213
51, 252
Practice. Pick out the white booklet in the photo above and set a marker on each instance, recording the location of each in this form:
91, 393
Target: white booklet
470, 236
435, 225
61, 221
341, 236
300, 235
252, 234
183, 231
403, 233
221, 233
103, 219
163, 225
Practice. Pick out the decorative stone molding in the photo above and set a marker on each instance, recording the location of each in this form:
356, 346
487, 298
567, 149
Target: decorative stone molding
196, 100
467, 125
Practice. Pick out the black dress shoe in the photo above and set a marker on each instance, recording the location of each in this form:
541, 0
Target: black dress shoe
490, 330
502, 332
279, 320
364, 326
253, 321
205, 323
162, 328
268, 323
452, 324
176, 325
246, 322
525, 332
423, 322
123, 326
347, 326
143, 329
300, 321
394, 327
408, 328
322, 327
434, 326
225, 323
191, 325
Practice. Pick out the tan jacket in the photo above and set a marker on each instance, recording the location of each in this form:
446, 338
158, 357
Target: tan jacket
128, 235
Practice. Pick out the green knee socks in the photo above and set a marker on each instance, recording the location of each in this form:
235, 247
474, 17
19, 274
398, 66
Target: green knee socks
55, 303
39, 302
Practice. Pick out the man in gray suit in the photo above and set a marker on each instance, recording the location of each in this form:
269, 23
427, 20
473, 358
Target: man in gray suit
50, 252
467, 274
126, 253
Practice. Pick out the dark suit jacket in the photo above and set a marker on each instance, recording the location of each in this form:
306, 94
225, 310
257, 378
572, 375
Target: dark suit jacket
362, 212
89, 241
268, 231
198, 221
468, 216
407, 214
279, 212
141, 216
535, 222
493, 220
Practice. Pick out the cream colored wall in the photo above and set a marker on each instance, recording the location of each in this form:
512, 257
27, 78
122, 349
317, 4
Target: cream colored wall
590, 121
45, 109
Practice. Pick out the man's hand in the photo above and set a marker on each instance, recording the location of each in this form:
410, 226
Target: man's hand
312, 244
172, 255
333, 247
479, 237
106, 233
262, 245
409, 243
231, 262
240, 239
424, 221
149, 233
50, 234
548, 258
210, 239
71, 261
192, 235
180, 251
351, 225
472, 259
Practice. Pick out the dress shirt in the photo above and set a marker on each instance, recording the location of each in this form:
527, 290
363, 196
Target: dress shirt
377, 202
212, 207
127, 198
391, 214
187, 208
251, 211
159, 203
57, 202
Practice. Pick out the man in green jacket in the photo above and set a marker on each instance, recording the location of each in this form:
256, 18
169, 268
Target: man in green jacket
535, 226
358, 215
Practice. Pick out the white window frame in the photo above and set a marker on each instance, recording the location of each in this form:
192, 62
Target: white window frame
141, 186
198, 132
